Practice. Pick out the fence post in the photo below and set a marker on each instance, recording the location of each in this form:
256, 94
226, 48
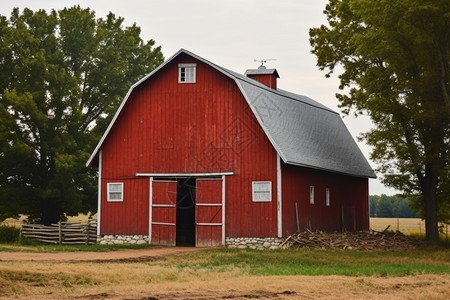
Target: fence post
88, 227
59, 233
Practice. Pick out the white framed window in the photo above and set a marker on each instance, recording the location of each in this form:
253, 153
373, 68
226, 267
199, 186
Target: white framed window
327, 197
186, 73
115, 192
311, 194
262, 191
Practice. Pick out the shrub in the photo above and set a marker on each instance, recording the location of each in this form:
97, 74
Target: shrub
9, 234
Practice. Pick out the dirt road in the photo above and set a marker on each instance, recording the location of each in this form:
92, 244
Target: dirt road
134, 255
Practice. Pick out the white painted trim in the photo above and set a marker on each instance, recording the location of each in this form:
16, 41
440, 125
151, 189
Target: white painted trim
279, 198
163, 180
223, 210
162, 223
150, 211
163, 205
208, 204
99, 196
209, 224
184, 174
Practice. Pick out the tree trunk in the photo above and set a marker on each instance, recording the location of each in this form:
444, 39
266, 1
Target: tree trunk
429, 192
431, 220
51, 213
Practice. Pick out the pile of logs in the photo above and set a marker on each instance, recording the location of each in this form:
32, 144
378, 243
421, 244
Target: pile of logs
371, 240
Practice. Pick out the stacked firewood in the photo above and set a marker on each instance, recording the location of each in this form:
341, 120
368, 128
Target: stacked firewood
369, 240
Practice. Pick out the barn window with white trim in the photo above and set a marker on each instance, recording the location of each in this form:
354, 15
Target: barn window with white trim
311, 194
262, 191
187, 73
115, 192
327, 197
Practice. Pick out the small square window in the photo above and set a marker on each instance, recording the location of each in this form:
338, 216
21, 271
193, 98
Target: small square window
115, 192
327, 197
262, 191
311, 194
186, 73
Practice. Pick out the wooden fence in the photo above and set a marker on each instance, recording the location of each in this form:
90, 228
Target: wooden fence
63, 233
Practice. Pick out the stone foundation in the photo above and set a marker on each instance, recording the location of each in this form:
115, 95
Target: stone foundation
239, 242
122, 239
253, 243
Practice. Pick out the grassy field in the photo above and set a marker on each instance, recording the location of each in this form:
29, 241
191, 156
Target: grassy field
237, 274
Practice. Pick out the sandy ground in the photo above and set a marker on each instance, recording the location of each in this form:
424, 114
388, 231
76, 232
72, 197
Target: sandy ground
133, 255
134, 280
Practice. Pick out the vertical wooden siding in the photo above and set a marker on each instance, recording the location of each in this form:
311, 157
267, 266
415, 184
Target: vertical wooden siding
345, 192
167, 127
129, 216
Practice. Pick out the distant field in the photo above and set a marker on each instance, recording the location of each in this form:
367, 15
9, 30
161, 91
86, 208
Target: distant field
404, 225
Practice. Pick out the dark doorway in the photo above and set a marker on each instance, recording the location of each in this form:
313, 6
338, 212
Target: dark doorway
185, 212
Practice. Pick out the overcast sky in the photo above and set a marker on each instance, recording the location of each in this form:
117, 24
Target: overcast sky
232, 34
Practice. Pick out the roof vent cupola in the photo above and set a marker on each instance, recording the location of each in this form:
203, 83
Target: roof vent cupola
266, 76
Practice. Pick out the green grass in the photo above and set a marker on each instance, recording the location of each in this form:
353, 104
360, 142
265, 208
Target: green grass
322, 262
18, 247
9, 234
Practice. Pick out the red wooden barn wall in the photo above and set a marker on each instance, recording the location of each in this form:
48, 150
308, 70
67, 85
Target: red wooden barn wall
167, 127
348, 193
269, 80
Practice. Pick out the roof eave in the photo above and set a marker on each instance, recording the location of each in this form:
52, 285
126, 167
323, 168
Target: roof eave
353, 174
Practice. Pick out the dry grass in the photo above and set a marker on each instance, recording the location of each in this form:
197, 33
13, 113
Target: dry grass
404, 225
18, 222
52, 280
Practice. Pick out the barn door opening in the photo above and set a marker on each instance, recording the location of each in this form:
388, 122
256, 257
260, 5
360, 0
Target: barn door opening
209, 208
185, 229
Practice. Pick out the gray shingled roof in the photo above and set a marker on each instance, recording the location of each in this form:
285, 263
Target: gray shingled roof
303, 131
262, 71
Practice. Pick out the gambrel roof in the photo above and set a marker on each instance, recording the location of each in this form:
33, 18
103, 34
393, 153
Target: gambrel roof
302, 131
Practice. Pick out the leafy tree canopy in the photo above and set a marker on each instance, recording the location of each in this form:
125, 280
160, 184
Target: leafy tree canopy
390, 207
63, 75
395, 56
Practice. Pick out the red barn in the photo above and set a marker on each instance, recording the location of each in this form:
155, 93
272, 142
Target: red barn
200, 155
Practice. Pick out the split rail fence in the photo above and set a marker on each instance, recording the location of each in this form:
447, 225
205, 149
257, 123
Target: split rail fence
63, 233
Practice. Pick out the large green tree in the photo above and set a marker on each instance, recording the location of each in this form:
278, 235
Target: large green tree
62, 76
394, 58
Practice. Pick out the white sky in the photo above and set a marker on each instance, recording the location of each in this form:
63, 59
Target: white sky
232, 34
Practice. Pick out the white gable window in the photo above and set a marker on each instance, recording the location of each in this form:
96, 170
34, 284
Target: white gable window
262, 191
327, 197
115, 192
311, 194
186, 73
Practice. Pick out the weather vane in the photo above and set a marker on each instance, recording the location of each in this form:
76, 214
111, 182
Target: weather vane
263, 61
